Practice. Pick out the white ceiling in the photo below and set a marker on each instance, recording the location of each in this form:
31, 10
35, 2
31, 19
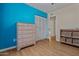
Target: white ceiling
47, 7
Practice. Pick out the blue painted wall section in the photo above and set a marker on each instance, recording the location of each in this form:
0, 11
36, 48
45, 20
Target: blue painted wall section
10, 14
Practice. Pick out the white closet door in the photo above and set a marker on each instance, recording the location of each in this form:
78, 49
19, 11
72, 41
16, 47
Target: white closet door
38, 27
44, 28
41, 28
25, 35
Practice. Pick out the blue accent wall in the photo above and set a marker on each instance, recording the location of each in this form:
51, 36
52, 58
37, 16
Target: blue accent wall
10, 14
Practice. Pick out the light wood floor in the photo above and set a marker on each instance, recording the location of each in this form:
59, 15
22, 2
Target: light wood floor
43, 48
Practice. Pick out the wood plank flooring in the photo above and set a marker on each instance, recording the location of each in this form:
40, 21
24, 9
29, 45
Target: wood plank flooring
43, 48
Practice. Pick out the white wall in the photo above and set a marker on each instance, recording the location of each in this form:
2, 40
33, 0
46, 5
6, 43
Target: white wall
67, 18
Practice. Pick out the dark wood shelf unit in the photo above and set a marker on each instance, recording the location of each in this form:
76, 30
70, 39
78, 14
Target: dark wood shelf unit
69, 36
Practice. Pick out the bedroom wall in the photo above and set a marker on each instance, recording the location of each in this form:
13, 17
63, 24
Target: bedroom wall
10, 14
67, 18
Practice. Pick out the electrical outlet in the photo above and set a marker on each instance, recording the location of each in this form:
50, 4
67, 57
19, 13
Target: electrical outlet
14, 40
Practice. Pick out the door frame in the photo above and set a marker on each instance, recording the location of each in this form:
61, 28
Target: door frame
49, 16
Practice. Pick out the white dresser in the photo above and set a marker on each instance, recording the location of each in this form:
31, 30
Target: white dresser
25, 35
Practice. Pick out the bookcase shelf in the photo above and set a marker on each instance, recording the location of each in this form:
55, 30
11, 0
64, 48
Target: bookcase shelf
69, 36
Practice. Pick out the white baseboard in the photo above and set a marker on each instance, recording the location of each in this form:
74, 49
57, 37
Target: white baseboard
2, 50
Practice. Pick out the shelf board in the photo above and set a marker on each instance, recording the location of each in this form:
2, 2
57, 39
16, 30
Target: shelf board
63, 41
66, 36
69, 43
69, 37
75, 37
75, 44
